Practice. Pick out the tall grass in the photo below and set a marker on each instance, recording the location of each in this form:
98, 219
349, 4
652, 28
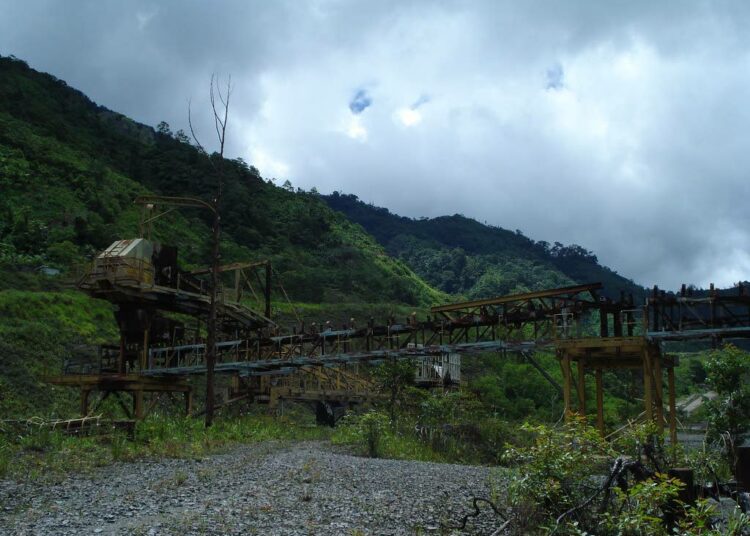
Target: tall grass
372, 434
52, 454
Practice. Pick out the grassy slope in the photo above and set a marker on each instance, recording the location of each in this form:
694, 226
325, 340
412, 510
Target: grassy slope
38, 331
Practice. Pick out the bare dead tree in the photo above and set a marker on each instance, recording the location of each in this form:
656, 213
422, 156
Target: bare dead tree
220, 110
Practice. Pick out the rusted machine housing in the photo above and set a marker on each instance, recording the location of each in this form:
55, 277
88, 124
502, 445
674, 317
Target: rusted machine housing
124, 261
153, 300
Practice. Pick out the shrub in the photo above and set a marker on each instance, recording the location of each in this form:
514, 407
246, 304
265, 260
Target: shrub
728, 372
366, 431
554, 473
569, 481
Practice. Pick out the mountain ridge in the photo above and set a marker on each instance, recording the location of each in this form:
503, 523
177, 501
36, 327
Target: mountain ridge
461, 255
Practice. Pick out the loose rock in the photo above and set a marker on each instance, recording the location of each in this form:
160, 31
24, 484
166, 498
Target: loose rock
300, 489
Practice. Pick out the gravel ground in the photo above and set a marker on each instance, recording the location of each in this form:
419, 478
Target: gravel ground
268, 488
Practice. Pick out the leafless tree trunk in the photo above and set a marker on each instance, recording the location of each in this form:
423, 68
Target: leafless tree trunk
220, 110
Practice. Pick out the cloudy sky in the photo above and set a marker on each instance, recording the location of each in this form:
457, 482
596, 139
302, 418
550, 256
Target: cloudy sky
622, 126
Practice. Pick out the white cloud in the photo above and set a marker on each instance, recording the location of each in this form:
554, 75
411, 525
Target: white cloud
269, 166
355, 129
619, 127
408, 117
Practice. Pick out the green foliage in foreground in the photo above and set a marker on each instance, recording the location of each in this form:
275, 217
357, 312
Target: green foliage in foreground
52, 454
557, 484
554, 479
728, 373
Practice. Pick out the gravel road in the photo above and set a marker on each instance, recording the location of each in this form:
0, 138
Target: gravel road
267, 488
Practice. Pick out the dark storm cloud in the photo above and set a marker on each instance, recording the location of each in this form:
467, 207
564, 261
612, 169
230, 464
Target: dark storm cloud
621, 126
360, 101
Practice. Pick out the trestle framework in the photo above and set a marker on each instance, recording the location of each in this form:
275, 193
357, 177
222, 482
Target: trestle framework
161, 311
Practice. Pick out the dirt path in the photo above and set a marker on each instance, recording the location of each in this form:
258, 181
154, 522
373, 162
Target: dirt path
268, 488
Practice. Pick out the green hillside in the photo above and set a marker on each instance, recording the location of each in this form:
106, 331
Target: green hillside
460, 255
69, 171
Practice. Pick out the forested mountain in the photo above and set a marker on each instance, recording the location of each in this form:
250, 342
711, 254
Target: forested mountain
460, 255
70, 169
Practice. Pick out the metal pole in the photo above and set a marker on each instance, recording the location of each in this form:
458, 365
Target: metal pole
599, 402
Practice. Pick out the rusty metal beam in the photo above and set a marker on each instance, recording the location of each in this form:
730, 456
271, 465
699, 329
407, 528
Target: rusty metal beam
558, 292
230, 267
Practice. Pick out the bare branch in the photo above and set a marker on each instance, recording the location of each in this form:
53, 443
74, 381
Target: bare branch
220, 124
475, 502
192, 131
226, 112
217, 121
218, 90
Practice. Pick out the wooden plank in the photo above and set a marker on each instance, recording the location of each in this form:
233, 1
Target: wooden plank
612, 363
124, 382
591, 343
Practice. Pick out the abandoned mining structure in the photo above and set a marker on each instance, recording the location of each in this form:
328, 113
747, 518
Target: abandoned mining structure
162, 310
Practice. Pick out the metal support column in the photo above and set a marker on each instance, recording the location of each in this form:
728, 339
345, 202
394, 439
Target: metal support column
658, 391
672, 406
581, 387
599, 402
85, 402
566, 373
647, 388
